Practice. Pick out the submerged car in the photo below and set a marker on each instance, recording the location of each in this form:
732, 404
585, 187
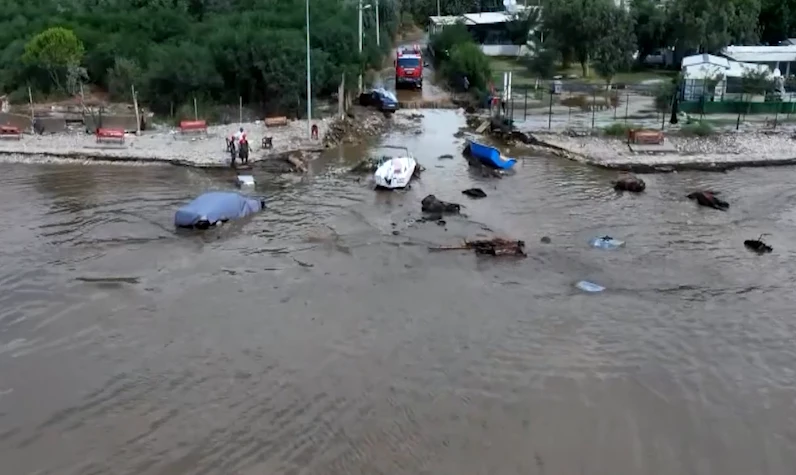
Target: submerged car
379, 98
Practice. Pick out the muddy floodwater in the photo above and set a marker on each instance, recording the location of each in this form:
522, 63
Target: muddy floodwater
322, 336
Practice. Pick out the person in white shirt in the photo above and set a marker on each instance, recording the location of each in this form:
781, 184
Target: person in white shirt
240, 136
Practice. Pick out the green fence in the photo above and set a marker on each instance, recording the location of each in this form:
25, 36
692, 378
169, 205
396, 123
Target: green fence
738, 107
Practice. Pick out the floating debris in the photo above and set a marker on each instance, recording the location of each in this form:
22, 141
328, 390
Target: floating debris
489, 247
757, 245
431, 204
587, 286
606, 242
630, 183
709, 199
475, 193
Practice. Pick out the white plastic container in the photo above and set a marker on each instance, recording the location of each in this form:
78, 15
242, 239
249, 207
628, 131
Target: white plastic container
245, 181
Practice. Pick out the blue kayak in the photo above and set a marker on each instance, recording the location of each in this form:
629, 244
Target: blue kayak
490, 156
216, 206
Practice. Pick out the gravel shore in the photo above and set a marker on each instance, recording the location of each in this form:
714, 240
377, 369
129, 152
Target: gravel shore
718, 152
194, 149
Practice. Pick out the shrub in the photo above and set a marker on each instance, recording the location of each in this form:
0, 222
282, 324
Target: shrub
697, 129
618, 129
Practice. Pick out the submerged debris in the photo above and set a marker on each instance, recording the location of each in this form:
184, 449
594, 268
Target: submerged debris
474, 193
489, 247
709, 199
431, 204
757, 245
630, 183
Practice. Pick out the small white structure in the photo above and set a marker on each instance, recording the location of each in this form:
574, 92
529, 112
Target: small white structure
775, 57
245, 181
716, 78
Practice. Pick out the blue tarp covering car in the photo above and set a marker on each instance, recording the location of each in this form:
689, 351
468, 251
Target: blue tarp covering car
216, 207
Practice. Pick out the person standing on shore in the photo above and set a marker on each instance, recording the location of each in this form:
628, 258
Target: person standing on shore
240, 136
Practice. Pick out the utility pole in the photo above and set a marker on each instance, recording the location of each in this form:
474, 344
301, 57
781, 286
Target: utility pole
378, 33
309, 77
359, 9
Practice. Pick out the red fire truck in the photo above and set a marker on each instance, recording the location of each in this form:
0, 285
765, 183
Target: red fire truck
409, 67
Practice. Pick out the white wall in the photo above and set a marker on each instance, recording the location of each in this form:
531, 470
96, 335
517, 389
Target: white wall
504, 50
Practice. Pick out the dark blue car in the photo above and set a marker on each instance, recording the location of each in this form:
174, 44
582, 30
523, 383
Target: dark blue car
381, 99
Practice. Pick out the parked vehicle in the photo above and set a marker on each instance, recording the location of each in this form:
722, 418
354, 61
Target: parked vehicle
379, 98
409, 68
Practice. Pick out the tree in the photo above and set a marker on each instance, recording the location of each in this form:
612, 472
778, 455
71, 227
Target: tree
523, 26
468, 61
777, 20
650, 26
708, 26
613, 51
576, 26
59, 52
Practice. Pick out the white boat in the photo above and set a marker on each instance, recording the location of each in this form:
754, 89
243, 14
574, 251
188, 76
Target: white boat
395, 171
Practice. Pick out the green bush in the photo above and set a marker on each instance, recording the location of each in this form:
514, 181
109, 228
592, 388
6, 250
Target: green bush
618, 129
697, 129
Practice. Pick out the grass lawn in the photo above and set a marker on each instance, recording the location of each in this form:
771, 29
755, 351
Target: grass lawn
522, 77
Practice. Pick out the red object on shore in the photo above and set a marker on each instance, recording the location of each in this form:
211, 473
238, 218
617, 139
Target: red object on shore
110, 135
193, 126
10, 132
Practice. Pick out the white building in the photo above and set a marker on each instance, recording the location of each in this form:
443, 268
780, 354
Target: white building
700, 71
488, 29
781, 57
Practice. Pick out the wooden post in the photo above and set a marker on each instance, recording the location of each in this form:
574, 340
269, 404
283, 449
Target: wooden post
32, 116
240, 110
137, 115
195, 110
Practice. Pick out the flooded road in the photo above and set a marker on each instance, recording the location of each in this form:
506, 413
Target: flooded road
313, 339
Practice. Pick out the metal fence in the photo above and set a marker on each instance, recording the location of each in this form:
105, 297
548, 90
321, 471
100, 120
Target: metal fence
586, 107
579, 106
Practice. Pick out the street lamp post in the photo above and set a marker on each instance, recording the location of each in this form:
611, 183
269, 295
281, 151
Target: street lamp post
378, 33
309, 77
359, 82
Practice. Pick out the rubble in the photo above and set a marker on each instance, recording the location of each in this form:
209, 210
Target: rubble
358, 124
489, 247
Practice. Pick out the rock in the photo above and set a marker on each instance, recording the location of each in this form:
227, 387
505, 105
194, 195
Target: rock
630, 183
475, 193
431, 204
546, 240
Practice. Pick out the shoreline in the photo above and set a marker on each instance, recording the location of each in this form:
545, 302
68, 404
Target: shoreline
198, 150
717, 153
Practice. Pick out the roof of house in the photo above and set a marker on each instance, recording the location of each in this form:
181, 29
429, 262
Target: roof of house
761, 54
705, 59
703, 66
486, 18
444, 20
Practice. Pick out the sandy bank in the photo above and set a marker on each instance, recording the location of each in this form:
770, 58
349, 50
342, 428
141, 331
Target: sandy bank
717, 153
196, 149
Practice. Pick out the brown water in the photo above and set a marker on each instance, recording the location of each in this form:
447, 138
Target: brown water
311, 340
